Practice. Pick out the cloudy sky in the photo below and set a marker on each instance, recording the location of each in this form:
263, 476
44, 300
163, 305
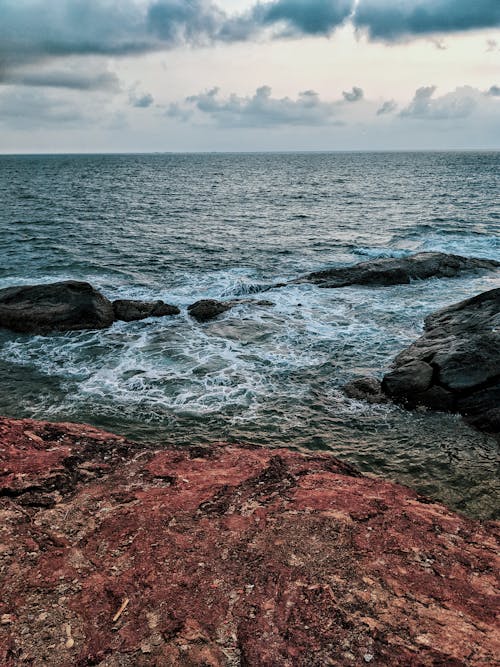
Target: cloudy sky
203, 75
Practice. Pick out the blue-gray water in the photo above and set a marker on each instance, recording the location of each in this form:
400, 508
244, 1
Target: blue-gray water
184, 227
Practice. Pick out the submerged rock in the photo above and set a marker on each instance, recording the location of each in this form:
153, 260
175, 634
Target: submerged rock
60, 306
398, 271
114, 554
455, 365
128, 310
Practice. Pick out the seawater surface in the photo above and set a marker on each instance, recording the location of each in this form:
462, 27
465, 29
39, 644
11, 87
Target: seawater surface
185, 227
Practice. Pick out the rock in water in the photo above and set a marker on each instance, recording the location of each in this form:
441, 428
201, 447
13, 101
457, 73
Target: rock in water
61, 306
455, 365
208, 309
365, 389
117, 554
128, 310
398, 271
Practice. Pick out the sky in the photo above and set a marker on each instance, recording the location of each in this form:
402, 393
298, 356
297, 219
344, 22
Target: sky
247, 75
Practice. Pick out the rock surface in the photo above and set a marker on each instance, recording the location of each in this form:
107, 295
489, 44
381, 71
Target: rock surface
58, 306
399, 271
116, 555
455, 365
128, 310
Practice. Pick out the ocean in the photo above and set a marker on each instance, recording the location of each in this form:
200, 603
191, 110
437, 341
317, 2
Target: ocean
181, 227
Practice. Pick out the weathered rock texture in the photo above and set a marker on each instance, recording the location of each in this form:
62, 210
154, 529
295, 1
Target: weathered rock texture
399, 271
455, 365
114, 555
128, 310
58, 306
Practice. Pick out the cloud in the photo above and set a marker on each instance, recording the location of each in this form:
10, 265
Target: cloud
395, 19
457, 104
141, 101
35, 29
34, 109
353, 95
494, 91
259, 110
290, 17
387, 108
74, 79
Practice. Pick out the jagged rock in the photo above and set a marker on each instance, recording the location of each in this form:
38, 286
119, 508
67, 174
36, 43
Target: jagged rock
398, 271
456, 363
229, 555
60, 306
365, 389
128, 310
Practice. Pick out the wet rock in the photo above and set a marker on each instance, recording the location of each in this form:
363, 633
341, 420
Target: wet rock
128, 310
456, 363
61, 306
399, 271
208, 309
253, 557
365, 389
412, 378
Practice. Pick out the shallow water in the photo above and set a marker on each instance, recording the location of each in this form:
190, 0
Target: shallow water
184, 227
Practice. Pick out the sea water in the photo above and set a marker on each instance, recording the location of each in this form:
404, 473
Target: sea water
186, 227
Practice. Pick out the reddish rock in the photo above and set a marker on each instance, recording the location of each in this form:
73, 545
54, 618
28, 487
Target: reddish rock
117, 555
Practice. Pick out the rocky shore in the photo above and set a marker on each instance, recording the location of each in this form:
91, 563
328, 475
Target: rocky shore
116, 554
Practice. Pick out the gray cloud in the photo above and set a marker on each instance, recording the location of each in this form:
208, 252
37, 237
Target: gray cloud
37, 29
387, 108
457, 104
395, 19
33, 109
494, 91
32, 30
290, 17
68, 78
141, 101
354, 95
259, 110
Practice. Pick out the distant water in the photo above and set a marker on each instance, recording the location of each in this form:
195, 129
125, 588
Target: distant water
185, 227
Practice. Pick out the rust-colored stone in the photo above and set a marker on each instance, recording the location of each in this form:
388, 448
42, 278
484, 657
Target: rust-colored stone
229, 556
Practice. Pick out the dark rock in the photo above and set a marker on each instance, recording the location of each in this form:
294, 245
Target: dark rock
399, 271
461, 346
61, 306
482, 408
434, 398
208, 309
253, 556
365, 389
412, 378
129, 311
